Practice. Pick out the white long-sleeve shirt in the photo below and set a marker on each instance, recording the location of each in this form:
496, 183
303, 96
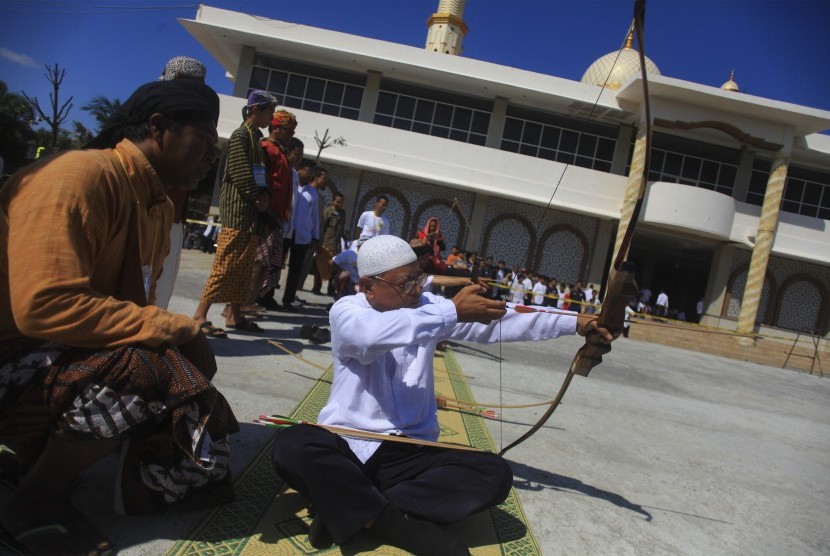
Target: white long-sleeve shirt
383, 375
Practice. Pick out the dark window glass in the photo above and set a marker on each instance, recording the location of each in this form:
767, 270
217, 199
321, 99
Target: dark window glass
405, 108
809, 210
278, 81
334, 93
481, 121
259, 78
568, 141
312, 105
420, 127
296, 86
424, 111
443, 115
510, 146
532, 133
530, 150
755, 199
458, 135
565, 158
462, 118
330, 109
790, 206
512, 129
402, 123
605, 150
547, 154
691, 168
584, 161
672, 164
794, 190
824, 213
314, 89
349, 113
477, 139
386, 103
654, 176
293, 102
727, 176
709, 171
602, 166
380, 119
758, 182
812, 193
352, 97
702, 185
550, 137
587, 145
439, 131
657, 158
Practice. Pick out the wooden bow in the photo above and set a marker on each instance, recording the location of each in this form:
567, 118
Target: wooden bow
621, 285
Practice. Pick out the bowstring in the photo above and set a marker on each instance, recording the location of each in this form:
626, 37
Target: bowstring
539, 225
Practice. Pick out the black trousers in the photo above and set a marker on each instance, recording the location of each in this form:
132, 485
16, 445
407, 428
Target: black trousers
441, 485
295, 268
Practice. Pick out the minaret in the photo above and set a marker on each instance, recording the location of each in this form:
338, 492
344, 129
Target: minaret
447, 27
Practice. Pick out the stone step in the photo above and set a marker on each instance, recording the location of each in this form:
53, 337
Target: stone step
766, 351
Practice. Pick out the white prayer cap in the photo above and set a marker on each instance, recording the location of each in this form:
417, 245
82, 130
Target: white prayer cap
381, 253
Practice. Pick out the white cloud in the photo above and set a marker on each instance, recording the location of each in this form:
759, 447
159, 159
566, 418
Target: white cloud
22, 59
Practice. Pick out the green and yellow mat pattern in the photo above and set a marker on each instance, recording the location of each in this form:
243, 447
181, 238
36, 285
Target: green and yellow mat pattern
269, 518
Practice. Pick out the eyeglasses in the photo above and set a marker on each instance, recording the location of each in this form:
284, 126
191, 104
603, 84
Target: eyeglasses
406, 287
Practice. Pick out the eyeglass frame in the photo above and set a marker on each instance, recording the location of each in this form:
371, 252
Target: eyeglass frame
408, 286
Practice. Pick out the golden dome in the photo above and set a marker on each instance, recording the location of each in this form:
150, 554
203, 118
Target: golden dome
617, 67
731, 85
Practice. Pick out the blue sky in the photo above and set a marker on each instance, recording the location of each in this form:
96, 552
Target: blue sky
778, 48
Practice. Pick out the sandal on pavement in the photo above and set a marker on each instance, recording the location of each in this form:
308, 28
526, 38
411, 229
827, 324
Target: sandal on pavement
74, 536
247, 326
211, 331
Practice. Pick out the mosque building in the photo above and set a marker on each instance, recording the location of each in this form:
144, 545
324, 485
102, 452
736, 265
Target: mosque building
737, 210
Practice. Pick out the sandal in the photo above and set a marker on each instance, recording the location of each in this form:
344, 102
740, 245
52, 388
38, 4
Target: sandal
247, 326
72, 536
211, 331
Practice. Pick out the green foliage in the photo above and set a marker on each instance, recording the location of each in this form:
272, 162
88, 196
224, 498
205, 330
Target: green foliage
16, 120
102, 109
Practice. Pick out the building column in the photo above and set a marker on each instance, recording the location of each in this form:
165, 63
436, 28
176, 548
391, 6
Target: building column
370, 97
621, 150
497, 118
744, 175
243, 72
632, 190
716, 286
602, 242
473, 239
350, 197
764, 238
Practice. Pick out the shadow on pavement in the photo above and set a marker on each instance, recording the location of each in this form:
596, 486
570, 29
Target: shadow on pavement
532, 479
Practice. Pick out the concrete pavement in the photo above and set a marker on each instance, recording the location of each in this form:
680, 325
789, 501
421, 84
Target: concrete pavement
658, 451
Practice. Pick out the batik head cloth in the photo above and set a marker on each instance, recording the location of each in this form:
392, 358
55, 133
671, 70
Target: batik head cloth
284, 118
183, 67
261, 98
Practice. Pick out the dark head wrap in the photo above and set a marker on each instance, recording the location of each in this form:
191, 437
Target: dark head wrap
188, 100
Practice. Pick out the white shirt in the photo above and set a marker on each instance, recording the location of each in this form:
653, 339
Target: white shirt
662, 300
371, 226
518, 289
383, 375
539, 291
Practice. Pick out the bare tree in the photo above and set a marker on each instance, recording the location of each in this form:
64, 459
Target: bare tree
55, 76
326, 142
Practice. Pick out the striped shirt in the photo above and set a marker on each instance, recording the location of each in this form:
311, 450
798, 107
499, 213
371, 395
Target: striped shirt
237, 198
